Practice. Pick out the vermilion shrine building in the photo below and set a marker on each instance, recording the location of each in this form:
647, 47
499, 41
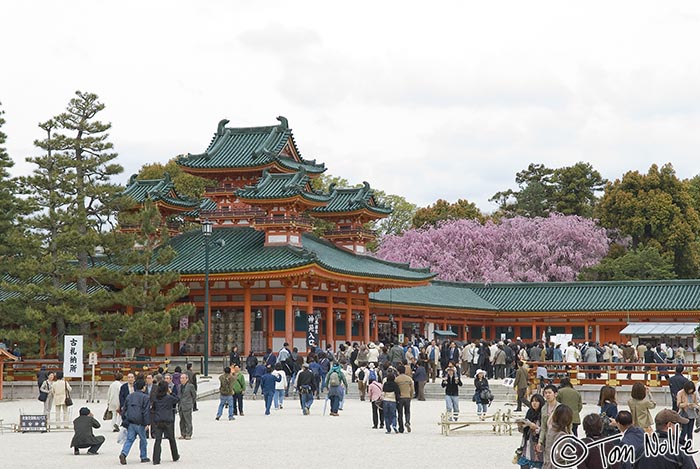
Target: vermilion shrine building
272, 272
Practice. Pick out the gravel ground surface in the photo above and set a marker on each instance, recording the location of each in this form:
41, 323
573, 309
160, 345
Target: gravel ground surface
285, 438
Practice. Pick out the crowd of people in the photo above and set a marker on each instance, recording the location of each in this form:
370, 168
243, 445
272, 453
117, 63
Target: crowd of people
390, 376
557, 413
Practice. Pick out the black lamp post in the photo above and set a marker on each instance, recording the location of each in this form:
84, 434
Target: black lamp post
207, 229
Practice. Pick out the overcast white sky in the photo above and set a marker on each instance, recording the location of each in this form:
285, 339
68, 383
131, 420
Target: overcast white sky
423, 99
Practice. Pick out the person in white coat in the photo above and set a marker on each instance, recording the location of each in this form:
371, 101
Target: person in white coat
373, 353
572, 354
113, 400
46, 387
433, 353
59, 391
280, 386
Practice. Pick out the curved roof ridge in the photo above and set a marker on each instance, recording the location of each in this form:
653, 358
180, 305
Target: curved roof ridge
401, 265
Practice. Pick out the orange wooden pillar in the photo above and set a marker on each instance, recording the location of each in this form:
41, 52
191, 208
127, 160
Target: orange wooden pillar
348, 319
288, 316
247, 320
366, 322
330, 326
270, 325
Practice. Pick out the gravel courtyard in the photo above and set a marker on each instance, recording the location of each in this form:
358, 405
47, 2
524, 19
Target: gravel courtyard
286, 438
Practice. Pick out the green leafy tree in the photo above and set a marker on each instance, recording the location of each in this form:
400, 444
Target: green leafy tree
443, 210
186, 185
693, 185
401, 217
656, 210
645, 263
570, 190
535, 194
575, 189
151, 298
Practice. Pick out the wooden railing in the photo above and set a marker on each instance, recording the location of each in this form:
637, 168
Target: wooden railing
242, 213
351, 232
27, 370
613, 374
305, 221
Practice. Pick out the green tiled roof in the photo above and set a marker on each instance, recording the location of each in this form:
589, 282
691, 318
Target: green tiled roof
352, 199
281, 186
244, 251
248, 147
647, 295
204, 205
41, 279
437, 294
157, 189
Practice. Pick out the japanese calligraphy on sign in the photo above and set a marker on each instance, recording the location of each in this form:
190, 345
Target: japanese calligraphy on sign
73, 356
312, 332
32, 423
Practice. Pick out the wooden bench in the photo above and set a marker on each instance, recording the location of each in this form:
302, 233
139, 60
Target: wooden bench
500, 422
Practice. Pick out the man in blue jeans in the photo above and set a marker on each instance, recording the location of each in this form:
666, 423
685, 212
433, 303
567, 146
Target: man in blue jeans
136, 416
267, 382
306, 385
225, 394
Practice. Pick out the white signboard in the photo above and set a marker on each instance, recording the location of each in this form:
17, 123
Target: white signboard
92, 358
73, 356
561, 339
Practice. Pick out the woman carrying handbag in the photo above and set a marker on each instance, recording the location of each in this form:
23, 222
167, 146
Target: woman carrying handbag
45, 394
60, 392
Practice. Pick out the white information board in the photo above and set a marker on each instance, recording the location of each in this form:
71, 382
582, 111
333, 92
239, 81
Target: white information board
73, 356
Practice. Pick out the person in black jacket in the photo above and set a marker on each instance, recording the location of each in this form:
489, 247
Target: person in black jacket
250, 363
450, 382
234, 358
306, 386
482, 402
136, 417
84, 437
164, 421
676, 383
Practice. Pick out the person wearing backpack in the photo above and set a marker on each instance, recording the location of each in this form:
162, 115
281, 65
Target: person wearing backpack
325, 363
374, 390
315, 368
335, 378
250, 363
362, 377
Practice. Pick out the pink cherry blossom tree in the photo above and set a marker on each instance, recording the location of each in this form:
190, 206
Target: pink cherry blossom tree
519, 249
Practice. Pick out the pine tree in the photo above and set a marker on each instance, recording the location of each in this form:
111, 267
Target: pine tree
13, 244
8, 200
155, 315
62, 283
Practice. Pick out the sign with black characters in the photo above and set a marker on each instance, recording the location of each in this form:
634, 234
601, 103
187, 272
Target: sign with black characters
33, 423
73, 356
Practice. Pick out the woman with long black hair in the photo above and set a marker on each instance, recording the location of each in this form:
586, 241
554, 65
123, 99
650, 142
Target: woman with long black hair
530, 457
164, 421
